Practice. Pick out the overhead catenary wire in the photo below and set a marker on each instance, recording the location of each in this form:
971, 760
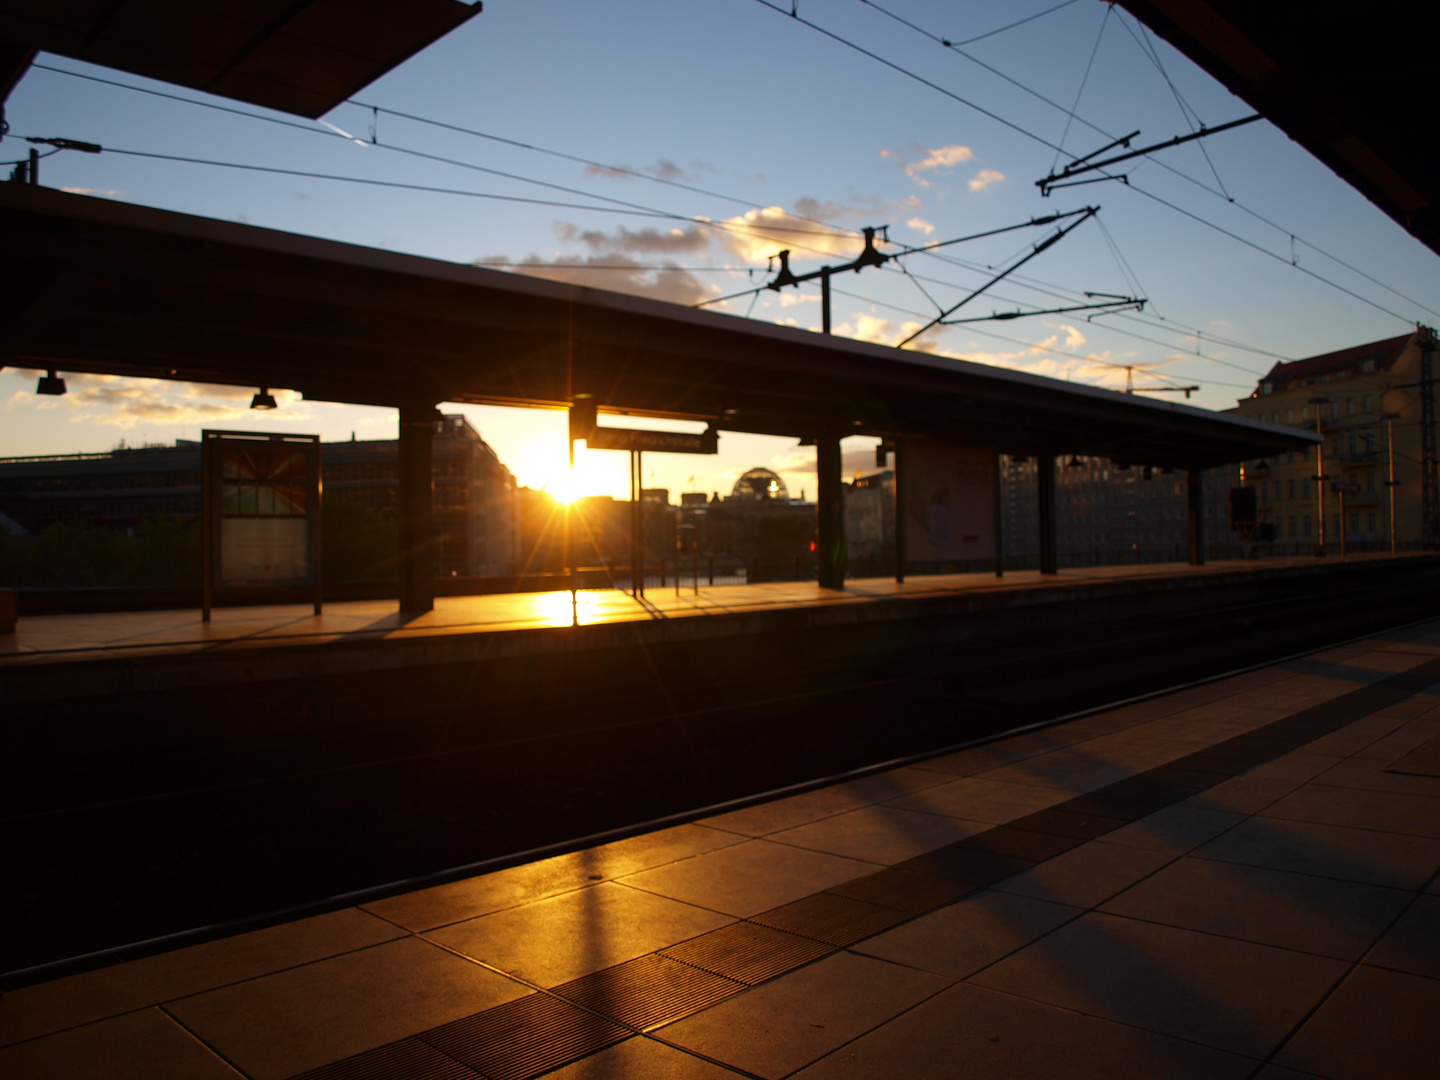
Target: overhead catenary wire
331, 134
1047, 143
836, 229
336, 133
1019, 341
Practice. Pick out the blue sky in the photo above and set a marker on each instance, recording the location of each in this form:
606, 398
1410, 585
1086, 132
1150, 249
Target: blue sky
742, 101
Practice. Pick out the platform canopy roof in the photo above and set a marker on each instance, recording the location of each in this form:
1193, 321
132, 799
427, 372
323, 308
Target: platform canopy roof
92, 285
1338, 78
298, 56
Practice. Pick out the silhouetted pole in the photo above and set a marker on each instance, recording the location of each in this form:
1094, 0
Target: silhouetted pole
1390, 419
825, 298
830, 513
1194, 519
999, 515
416, 524
1045, 489
902, 529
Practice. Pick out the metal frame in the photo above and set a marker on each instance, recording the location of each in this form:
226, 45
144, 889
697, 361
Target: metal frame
211, 442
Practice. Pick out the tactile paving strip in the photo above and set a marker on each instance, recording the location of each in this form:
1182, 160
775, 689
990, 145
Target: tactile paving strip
903, 890
524, 1038
408, 1059
835, 920
539, 1033
649, 990
747, 952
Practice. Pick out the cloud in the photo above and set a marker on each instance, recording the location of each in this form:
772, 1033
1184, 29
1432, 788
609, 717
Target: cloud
984, 178
614, 172
637, 241
920, 225
621, 274
941, 157
883, 332
756, 235
125, 402
664, 169
103, 193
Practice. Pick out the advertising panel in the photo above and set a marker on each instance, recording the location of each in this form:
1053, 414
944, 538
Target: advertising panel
949, 503
261, 496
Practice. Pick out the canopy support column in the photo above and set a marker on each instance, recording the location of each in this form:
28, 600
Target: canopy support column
1045, 488
416, 517
1194, 518
902, 536
830, 511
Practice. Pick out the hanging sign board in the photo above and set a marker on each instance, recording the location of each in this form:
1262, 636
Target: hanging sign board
660, 442
261, 513
950, 503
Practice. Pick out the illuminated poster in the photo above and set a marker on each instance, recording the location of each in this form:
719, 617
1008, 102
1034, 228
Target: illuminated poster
261, 519
264, 531
949, 503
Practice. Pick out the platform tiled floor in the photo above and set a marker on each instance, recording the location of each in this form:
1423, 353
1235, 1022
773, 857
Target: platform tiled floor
51, 638
1273, 917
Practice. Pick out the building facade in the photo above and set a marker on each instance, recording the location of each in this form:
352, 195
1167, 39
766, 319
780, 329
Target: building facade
1359, 400
475, 497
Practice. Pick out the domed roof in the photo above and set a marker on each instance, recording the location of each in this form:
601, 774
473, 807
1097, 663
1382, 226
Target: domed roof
760, 484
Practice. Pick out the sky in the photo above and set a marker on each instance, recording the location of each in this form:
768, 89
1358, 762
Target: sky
703, 138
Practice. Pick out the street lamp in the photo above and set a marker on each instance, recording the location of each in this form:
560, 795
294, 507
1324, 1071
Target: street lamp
1390, 418
1320, 474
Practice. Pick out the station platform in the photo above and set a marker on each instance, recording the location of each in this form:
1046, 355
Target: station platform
1234, 879
61, 638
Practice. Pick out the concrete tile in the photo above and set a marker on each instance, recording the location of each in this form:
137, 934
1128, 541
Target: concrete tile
770, 817
1088, 875
1067, 771
786, 813
959, 940
1294, 911
1244, 794
1378, 1024
1377, 858
784, 1025
981, 1035
979, 759
1176, 829
283, 1024
1232, 995
563, 937
1369, 774
1413, 943
92, 995
441, 905
1297, 767
879, 834
891, 784
145, 1045
1382, 811
982, 799
749, 878
642, 1059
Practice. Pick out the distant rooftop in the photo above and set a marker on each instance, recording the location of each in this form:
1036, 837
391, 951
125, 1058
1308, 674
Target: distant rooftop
1376, 356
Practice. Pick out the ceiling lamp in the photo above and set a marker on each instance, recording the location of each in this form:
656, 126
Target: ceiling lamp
50, 384
263, 400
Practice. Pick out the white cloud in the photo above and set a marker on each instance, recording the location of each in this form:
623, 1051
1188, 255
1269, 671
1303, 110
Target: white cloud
920, 225
124, 402
943, 157
621, 273
103, 193
757, 234
984, 178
